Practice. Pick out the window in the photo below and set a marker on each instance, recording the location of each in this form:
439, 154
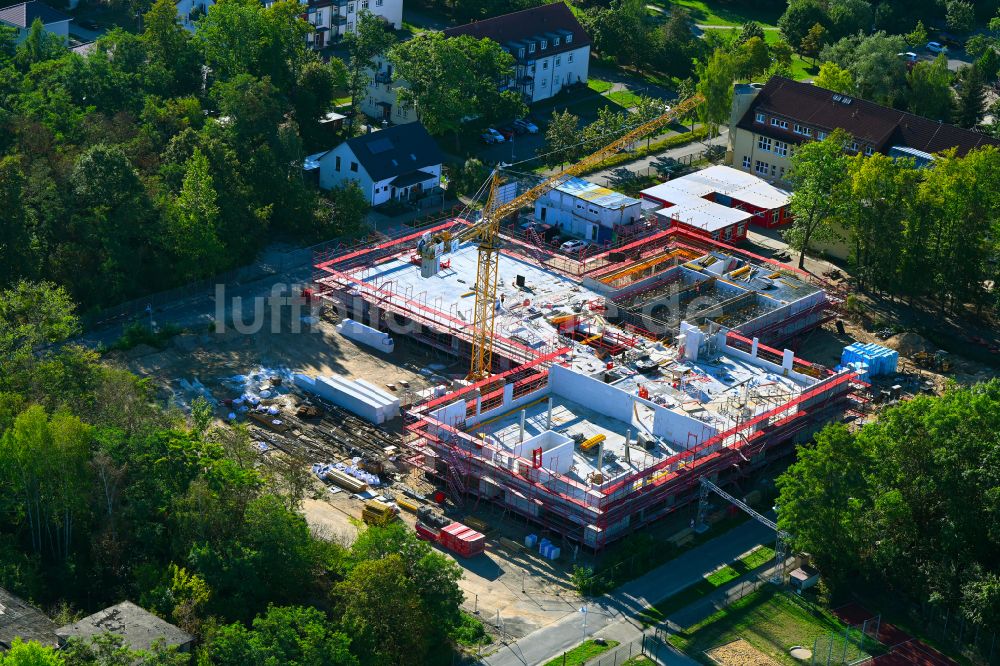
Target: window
555, 42
336, 166
558, 60
820, 135
715, 235
545, 64
378, 3
746, 162
774, 171
545, 83
520, 52
569, 58
531, 47
556, 80
761, 117
350, 8
761, 167
764, 143
364, 4
781, 148
774, 216
354, 167
783, 124
741, 229
350, 26
781, 172
868, 151
728, 234
854, 146
545, 44
803, 130
569, 39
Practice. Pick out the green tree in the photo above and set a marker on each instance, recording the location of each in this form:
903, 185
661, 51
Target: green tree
752, 58
799, 18
960, 15
33, 314
467, 180
748, 31
918, 35
833, 77
715, 83
284, 635
342, 210
371, 38
930, 92
171, 50
849, 17
194, 223
30, 653
39, 45
813, 42
879, 73
562, 137
16, 258
818, 175
820, 498
971, 102
451, 79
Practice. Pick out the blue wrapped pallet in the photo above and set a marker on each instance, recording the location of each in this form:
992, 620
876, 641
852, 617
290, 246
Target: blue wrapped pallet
531, 540
878, 359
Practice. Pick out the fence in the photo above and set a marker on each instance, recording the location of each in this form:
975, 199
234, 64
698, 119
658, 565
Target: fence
949, 629
852, 646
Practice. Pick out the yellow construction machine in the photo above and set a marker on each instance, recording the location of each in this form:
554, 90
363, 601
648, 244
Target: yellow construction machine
486, 233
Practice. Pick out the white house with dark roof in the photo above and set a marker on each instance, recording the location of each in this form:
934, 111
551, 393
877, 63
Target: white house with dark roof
402, 163
550, 47
22, 15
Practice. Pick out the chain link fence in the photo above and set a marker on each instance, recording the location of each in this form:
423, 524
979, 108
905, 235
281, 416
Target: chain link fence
854, 645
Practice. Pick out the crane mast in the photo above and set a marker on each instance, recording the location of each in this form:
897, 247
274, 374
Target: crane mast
486, 232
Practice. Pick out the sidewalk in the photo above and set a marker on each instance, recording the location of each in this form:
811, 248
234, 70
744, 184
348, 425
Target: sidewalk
612, 616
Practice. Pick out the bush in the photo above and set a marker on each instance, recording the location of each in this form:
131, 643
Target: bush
138, 333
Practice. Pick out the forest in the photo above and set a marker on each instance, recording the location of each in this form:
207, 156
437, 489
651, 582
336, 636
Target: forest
106, 496
162, 157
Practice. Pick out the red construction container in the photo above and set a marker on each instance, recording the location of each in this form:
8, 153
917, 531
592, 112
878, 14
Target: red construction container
463, 540
426, 533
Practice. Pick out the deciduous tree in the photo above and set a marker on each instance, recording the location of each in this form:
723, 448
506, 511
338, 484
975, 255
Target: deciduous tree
818, 175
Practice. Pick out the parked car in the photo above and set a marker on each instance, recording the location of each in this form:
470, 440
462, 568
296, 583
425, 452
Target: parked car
526, 126
936, 47
507, 132
573, 246
492, 136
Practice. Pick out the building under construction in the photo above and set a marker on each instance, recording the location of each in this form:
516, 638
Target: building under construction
619, 379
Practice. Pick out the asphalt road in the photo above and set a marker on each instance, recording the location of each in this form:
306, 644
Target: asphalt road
613, 615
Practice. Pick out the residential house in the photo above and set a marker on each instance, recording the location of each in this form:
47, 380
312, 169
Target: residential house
19, 619
332, 19
400, 163
22, 15
768, 122
189, 11
720, 202
587, 210
550, 47
380, 101
139, 628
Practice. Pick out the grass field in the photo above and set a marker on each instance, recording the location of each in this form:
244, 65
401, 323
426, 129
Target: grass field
770, 620
598, 85
730, 572
583, 652
712, 12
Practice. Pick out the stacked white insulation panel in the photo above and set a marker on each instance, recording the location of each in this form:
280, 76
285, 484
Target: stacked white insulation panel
358, 397
366, 335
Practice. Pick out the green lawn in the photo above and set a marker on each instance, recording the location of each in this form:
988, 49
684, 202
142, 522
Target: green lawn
770, 620
726, 574
714, 12
599, 85
581, 653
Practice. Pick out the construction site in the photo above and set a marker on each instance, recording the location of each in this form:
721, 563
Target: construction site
602, 387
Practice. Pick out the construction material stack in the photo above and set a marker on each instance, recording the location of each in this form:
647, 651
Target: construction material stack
879, 360
454, 536
378, 513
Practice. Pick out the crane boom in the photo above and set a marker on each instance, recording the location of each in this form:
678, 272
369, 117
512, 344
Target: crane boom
487, 231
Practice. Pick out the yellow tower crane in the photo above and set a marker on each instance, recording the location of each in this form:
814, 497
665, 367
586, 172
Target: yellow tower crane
486, 232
